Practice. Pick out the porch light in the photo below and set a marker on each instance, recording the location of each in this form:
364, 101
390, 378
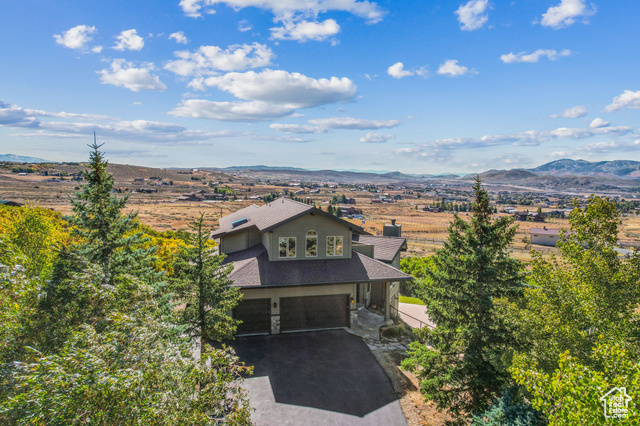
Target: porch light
352, 300
275, 305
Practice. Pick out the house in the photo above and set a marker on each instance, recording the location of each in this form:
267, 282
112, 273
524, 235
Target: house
300, 268
349, 211
524, 216
138, 181
191, 197
544, 236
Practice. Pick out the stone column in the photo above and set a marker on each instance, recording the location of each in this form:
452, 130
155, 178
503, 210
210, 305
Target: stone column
275, 324
275, 315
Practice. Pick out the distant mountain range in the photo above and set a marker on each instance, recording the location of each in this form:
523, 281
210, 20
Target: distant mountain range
619, 168
21, 159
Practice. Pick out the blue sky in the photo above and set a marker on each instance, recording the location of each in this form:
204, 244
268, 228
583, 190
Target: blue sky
414, 86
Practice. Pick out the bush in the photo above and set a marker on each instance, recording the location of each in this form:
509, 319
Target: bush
506, 410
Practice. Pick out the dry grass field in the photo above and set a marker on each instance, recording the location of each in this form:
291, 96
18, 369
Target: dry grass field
163, 210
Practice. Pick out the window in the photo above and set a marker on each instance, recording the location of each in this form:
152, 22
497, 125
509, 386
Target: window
312, 244
334, 246
287, 247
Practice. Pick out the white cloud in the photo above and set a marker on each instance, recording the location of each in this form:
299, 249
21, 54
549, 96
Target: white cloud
125, 74
353, 123
451, 67
566, 13
371, 137
598, 148
439, 147
628, 99
179, 37
129, 40
532, 58
598, 122
302, 30
244, 26
473, 15
284, 88
573, 112
97, 49
232, 111
283, 8
207, 60
397, 71
13, 116
268, 94
297, 128
76, 37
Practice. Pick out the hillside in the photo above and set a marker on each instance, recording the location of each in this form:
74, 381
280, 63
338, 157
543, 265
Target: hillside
626, 169
21, 159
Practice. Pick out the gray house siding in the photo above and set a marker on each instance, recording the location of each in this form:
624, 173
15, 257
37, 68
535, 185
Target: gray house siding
299, 227
240, 241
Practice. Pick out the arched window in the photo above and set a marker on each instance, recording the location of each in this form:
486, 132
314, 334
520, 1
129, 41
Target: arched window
312, 244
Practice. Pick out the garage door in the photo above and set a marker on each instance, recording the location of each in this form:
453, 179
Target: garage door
255, 315
312, 312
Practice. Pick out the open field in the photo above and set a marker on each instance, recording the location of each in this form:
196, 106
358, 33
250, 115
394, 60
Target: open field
164, 208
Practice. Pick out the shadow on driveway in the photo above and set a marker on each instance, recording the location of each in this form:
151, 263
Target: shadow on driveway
328, 370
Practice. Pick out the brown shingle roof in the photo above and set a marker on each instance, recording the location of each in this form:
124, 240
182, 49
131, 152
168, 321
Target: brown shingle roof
252, 268
384, 248
271, 215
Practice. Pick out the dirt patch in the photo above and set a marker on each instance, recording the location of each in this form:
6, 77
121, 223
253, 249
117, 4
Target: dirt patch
405, 385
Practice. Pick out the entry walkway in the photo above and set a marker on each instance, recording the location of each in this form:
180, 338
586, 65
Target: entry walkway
415, 315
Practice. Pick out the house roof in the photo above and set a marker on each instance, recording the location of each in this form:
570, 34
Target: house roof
271, 215
252, 268
384, 248
544, 231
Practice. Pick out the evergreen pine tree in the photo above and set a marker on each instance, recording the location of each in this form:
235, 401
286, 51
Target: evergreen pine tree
202, 284
109, 237
463, 369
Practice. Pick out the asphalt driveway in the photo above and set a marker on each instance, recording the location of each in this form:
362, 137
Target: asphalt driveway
317, 378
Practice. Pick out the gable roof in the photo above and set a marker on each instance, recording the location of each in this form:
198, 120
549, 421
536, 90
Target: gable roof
384, 248
270, 216
544, 231
252, 268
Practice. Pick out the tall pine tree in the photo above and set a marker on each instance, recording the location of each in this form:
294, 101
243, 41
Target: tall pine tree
201, 282
109, 237
462, 360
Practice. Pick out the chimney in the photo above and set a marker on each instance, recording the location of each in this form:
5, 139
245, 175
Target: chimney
392, 230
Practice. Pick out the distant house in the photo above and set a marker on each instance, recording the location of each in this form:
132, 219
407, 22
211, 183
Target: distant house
376, 201
432, 209
138, 181
349, 211
300, 268
544, 236
215, 197
191, 197
524, 216
147, 190
350, 201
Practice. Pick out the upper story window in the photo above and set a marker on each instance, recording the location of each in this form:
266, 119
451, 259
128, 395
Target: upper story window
334, 246
287, 247
312, 244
